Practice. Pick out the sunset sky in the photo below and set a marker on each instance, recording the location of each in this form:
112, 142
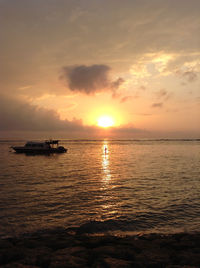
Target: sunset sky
65, 64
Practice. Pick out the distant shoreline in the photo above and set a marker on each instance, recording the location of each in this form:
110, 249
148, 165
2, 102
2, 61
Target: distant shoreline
73, 140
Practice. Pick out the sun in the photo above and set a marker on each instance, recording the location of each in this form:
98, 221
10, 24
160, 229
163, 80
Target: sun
105, 121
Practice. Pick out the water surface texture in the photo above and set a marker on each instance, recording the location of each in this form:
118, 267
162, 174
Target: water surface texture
136, 186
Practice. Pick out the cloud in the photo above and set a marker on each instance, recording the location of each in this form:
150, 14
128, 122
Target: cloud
34, 60
142, 88
144, 114
116, 84
157, 105
186, 66
125, 99
190, 76
18, 115
90, 79
163, 94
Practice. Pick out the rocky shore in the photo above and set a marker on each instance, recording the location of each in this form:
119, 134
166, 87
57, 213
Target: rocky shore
67, 248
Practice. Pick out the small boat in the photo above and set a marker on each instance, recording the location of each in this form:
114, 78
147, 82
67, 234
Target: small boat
46, 147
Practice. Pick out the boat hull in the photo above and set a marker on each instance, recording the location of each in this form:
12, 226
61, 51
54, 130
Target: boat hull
39, 150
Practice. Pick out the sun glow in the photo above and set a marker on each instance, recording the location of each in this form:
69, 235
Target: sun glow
105, 121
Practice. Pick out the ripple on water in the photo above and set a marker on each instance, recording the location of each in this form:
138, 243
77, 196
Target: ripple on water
136, 186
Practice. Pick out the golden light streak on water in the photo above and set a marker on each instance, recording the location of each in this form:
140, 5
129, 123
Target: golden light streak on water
105, 162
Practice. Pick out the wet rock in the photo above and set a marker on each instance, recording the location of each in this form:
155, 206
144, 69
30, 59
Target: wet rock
154, 257
5, 244
74, 251
69, 257
117, 263
61, 249
11, 254
116, 251
97, 241
189, 258
38, 256
18, 265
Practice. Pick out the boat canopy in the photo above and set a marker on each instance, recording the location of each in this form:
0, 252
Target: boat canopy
52, 141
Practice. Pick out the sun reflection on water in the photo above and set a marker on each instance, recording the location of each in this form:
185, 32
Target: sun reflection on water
105, 162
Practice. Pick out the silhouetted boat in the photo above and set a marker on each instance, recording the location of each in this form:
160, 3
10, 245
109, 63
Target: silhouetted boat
46, 147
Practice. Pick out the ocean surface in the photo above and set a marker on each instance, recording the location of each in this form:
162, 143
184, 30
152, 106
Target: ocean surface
133, 186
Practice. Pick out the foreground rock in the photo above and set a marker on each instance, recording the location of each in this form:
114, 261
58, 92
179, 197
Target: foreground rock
61, 249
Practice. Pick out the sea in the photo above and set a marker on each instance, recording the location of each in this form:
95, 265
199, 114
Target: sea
117, 187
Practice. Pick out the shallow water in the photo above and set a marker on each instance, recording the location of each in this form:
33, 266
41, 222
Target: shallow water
132, 186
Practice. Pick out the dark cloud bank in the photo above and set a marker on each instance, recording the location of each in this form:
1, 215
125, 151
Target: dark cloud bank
16, 114
90, 79
22, 119
19, 115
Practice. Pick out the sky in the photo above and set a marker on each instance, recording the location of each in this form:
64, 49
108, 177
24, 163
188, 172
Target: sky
100, 69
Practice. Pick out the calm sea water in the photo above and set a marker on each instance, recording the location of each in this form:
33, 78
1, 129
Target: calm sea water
136, 186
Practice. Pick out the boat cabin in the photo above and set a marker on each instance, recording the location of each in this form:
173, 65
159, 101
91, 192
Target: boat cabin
32, 144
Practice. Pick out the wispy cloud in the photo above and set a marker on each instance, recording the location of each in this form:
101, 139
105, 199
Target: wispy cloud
163, 94
125, 99
188, 75
191, 76
157, 105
